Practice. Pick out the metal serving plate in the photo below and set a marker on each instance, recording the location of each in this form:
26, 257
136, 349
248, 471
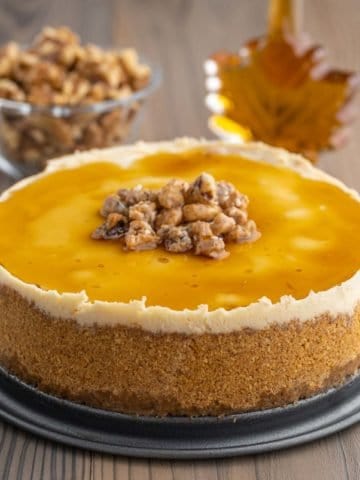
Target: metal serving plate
178, 437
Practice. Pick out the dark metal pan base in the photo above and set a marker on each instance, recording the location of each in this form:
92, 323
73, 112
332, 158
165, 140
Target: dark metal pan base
178, 437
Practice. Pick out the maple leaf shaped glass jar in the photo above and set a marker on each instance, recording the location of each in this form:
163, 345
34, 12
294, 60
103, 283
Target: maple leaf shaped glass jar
278, 89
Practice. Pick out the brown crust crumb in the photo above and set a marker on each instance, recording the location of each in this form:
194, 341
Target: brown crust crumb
200, 217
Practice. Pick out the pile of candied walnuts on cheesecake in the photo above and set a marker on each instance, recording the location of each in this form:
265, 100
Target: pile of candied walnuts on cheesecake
200, 217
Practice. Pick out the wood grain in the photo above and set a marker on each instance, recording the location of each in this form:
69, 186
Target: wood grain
179, 34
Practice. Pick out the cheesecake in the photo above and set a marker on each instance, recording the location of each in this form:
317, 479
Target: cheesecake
154, 331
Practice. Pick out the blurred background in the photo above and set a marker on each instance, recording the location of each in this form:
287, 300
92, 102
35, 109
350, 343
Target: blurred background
178, 35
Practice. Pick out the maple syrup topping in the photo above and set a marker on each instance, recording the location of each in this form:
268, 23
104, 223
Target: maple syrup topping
200, 217
308, 235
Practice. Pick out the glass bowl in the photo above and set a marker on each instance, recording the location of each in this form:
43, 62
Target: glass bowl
31, 134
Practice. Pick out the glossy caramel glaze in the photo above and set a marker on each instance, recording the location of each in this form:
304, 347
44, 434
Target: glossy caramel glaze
309, 236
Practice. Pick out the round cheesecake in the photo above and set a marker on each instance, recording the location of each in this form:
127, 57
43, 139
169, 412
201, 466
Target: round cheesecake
161, 333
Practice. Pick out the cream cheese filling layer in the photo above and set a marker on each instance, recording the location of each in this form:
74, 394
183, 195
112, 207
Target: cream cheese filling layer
341, 299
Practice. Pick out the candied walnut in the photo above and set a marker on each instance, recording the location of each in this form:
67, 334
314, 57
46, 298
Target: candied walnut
114, 227
119, 93
172, 194
200, 229
243, 234
145, 211
239, 215
138, 72
74, 89
98, 65
23, 68
59, 131
222, 224
11, 91
224, 189
141, 236
55, 51
61, 35
113, 204
228, 196
205, 242
176, 239
213, 247
169, 216
45, 73
114, 219
202, 190
8, 57
136, 195
40, 94
59, 45
239, 200
199, 211
98, 91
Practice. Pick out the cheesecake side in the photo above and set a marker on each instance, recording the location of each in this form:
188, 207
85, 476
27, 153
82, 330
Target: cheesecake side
135, 371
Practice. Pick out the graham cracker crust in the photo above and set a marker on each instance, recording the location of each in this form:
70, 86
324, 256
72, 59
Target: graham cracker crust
134, 371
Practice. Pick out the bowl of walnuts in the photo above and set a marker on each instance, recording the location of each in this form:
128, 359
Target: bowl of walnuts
58, 96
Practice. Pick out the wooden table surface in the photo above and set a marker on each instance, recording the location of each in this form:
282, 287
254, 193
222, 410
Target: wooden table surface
179, 34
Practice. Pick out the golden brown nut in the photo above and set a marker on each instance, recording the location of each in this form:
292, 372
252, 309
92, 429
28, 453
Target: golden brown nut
200, 229
115, 226
202, 190
228, 196
145, 211
11, 91
176, 239
141, 236
243, 234
113, 204
222, 224
169, 216
213, 247
172, 194
136, 195
239, 215
200, 211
